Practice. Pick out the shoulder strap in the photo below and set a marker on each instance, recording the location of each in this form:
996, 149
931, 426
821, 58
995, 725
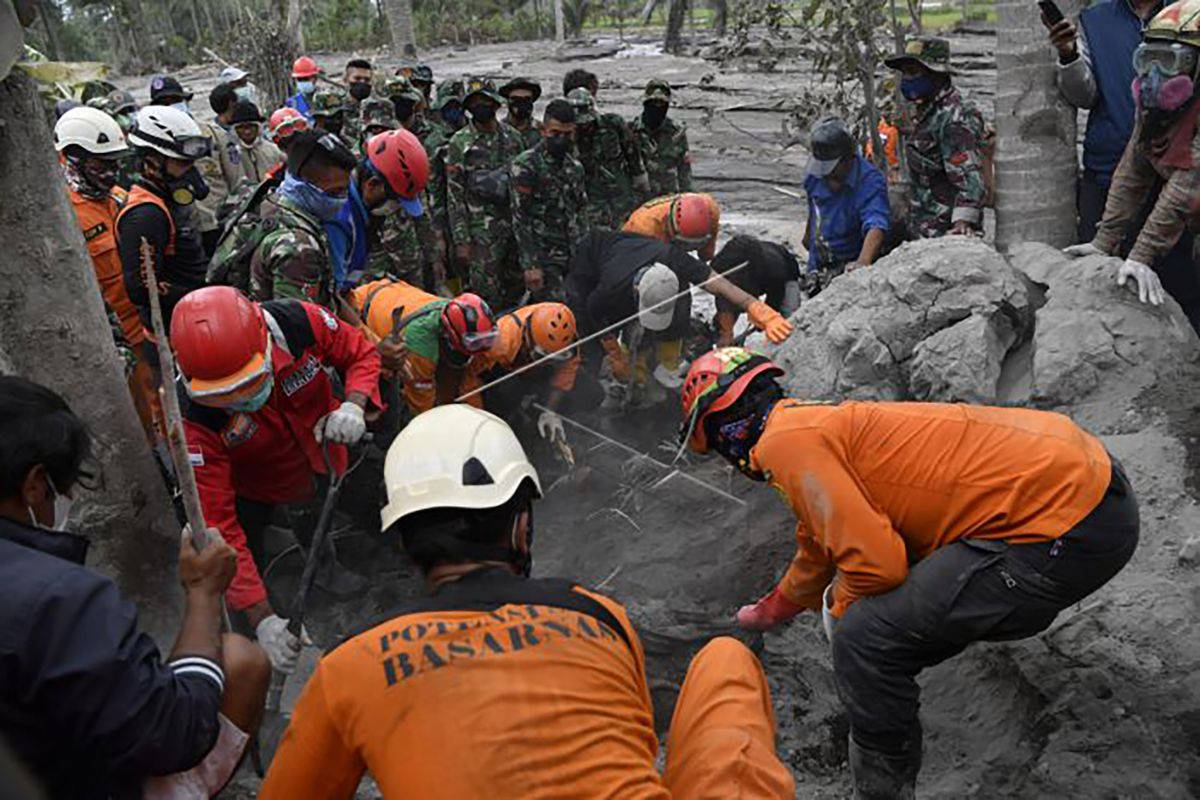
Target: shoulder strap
139, 196
289, 320
490, 589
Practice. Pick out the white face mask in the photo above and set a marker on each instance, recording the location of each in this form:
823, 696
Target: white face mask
62, 510
181, 106
247, 92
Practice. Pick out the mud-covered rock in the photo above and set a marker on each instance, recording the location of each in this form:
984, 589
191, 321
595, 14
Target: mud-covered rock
1092, 333
932, 321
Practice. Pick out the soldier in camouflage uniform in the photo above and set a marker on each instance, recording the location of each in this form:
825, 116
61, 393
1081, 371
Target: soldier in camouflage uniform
662, 142
420, 75
294, 258
409, 104
521, 94
616, 178
378, 115
549, 204
358, 78
477, 188
436, 138
944, 146
328, 112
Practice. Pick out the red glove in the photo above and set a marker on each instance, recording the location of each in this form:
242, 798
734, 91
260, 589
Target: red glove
767, 612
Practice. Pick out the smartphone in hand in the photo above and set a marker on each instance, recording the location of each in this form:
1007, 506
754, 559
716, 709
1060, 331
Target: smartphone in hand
1051, 12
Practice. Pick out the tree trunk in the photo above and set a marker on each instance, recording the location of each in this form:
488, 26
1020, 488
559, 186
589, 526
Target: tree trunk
1035, 135
720, 16
52, 24
54, 330
675, 16
133, 21
400, 20
559, 23
648, 11
295, 30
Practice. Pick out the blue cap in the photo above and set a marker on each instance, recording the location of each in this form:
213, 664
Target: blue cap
413, 207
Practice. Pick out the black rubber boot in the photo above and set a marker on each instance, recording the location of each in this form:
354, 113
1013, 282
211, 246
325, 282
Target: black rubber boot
884, 777
336, 580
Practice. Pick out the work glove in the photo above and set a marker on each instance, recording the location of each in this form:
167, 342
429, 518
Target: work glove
1150, 288
767, 612
283, 648
1083, 250
550, 427
828, 620
344, 426
617, 357
769, 321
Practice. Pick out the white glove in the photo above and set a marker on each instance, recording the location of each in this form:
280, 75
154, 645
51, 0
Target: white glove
1083, 250
283, 649
828, 620
344, 426
550, 427
1150, 288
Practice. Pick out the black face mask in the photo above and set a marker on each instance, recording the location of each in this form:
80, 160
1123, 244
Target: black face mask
334, 124
521, 108
404, 108
483, 113
360, 90
558, 146
653, 114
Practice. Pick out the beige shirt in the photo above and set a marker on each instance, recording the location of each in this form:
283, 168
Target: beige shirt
257, 159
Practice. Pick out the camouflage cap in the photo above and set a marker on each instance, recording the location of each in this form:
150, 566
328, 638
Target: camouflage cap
422, 74
328, 102
477, 85
378, 113
531, 84
585, 105
657, 89
122, 102
400, 87
450, 90
931, 52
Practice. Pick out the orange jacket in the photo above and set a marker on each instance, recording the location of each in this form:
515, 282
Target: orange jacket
428, 379
878, 486
98, 221
509, 352
651, 220
524, 701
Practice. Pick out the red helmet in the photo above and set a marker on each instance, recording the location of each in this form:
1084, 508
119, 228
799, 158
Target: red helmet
467, 324
305, 67
399, 158
221, 344
284, 122
715, 382
690, 221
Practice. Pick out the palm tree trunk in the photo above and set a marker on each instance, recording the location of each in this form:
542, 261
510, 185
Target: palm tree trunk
295, 28
559, 22
675, 18
400, 20
1035, 135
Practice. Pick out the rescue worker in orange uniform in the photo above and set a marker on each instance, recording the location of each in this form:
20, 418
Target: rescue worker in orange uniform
432, 343
690, 221
92, 147
922, 527
499, 685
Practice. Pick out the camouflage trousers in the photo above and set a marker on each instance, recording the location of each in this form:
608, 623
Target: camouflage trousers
494, 272
611, 211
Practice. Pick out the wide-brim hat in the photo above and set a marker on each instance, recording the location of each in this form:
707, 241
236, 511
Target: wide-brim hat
522, 83
931, 52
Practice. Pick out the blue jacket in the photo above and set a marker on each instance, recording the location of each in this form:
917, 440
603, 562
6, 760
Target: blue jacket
1113, 32
299, 102
85, 700
349, 237
848, 215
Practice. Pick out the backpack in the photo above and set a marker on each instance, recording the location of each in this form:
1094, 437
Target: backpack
243, 232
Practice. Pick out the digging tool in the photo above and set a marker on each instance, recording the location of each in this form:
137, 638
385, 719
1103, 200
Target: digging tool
274, 721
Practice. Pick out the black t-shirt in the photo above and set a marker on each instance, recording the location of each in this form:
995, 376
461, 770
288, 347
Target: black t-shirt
600, 276
770, 266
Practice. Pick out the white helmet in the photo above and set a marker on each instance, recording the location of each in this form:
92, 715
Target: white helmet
169, 131
90, 129
454, 456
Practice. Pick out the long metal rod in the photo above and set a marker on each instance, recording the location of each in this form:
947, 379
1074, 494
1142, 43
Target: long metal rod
639, 454
603, 331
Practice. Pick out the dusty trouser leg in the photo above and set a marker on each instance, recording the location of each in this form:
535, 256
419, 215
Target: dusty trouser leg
971, 590
331, 577
722, 739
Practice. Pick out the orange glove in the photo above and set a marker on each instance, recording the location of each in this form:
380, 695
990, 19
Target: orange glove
617, 357
769, 321
767, 612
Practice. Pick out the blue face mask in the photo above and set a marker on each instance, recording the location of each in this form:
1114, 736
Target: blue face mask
316, 201
252, 404
919, 87
306, 87
452, 114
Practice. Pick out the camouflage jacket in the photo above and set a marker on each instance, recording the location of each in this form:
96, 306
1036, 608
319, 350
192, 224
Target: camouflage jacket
352, 126
530, 136
549, 207
436, 139
403, 247
616, 177
222, 171
292, 261
665, 154
945, 165
477, 164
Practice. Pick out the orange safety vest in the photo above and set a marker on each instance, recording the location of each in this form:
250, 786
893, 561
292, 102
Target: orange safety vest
652, 220
98, 221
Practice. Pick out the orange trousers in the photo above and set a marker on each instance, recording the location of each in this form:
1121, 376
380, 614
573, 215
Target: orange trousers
722, 739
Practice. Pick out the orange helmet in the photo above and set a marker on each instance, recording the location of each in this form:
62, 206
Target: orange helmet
715, 382
284, 122
550, 331
399, 159
222, 346
305, 67
690, 220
